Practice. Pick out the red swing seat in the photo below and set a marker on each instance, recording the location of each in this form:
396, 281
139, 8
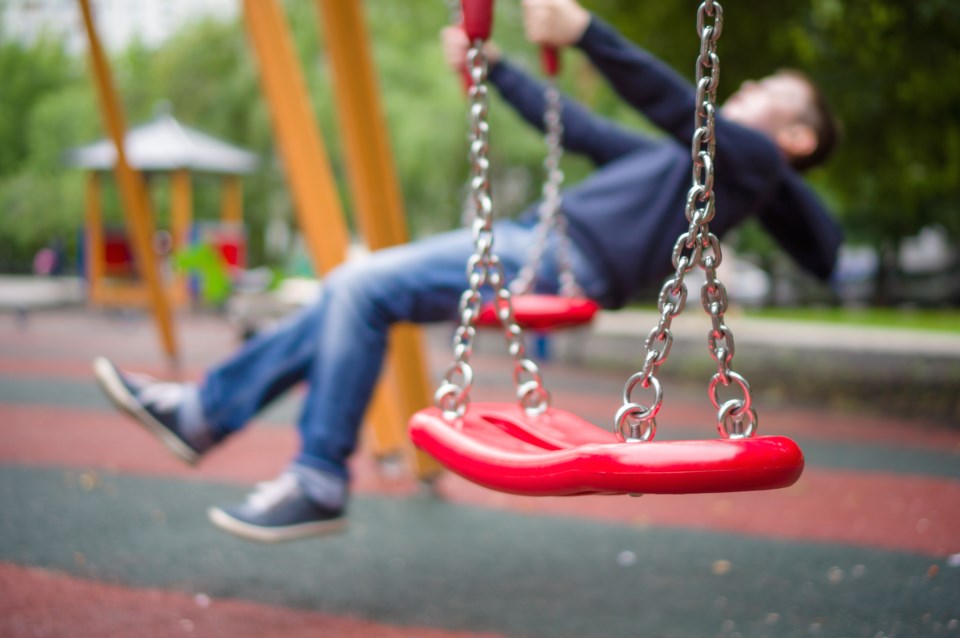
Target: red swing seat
543, 313
501, 447
498, 446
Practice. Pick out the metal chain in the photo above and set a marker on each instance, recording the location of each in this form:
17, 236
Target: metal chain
484, 268
455, 12
550, 217
697, 246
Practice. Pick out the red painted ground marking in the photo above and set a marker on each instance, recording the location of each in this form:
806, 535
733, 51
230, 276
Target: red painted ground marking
678, 416
898, 512
38, 602
110, 442
80, 370
82, 354
72, 322
108, 335
62, 344
904, 513
80, 337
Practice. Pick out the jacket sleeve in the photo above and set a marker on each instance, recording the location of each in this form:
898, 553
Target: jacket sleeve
752, 164
584, 133
803, 227
643, 81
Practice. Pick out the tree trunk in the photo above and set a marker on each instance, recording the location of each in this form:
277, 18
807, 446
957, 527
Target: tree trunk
887, 268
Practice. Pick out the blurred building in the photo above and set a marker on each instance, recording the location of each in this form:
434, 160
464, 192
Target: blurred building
119, 22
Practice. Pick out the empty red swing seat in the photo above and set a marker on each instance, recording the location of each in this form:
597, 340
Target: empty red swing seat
498, 446
544, 312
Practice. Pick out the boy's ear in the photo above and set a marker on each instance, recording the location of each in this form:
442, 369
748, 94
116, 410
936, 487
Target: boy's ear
797, 140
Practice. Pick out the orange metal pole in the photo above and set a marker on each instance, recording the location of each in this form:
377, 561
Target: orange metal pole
133, 192
308, 172
231, 200
370, 167
95, 256
301, 146
181, 218
181, 207
375, 188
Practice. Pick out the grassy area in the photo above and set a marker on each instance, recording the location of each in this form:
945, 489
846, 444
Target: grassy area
935, 320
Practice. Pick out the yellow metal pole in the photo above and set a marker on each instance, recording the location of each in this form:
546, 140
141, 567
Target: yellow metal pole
181, 207
181, 217
95, 256
317, 203
376, 191
301, 147
369, 160
133, 193
231, 200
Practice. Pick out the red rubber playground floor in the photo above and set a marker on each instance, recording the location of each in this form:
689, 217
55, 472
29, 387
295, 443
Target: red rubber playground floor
104, 534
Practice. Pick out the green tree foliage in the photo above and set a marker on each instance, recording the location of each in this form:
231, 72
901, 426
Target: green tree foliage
889, 68
208, 76
33, 199
28, 73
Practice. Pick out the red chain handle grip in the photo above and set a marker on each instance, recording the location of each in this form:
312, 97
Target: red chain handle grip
477, 18
550, 60
478, 24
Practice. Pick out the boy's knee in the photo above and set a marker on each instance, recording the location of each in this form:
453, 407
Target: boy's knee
341, 280
357, 280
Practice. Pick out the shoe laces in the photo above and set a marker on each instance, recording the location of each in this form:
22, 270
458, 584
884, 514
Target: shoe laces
161, 396
269, 493
139, 379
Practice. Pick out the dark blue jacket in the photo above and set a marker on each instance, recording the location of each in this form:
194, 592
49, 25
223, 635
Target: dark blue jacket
628, 213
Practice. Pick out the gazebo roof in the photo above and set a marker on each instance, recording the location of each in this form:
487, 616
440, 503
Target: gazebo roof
164, 144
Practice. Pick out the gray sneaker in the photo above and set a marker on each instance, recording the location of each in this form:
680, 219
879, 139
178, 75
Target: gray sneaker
278, 510
152, 403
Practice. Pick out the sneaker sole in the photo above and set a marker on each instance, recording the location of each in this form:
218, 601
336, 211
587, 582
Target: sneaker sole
273, 534
113, 387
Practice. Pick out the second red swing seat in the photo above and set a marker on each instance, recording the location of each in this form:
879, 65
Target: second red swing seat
544, 312
498, 446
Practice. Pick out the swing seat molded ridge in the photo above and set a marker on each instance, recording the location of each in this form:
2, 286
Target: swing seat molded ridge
543, 313
498, 446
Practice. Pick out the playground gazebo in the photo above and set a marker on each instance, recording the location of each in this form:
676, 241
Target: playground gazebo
164, 146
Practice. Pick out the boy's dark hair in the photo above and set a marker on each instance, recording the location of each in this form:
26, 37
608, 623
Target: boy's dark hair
821, 118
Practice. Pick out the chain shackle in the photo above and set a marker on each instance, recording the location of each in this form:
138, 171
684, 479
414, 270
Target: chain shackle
484, 269
696, 246
636, 421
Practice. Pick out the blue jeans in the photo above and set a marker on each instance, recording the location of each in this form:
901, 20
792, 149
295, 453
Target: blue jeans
337, 345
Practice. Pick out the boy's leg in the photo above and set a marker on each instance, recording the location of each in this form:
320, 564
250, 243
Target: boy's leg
170, 411
268, 365
190, 419
418, 282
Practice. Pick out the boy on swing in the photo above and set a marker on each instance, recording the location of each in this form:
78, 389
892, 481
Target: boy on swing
770, 130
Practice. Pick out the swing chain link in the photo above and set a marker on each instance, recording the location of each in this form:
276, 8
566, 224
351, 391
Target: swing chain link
455, 12
697, 246
484, 268
549, 212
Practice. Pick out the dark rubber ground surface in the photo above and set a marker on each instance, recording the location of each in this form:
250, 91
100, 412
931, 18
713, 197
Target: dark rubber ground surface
102, 534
